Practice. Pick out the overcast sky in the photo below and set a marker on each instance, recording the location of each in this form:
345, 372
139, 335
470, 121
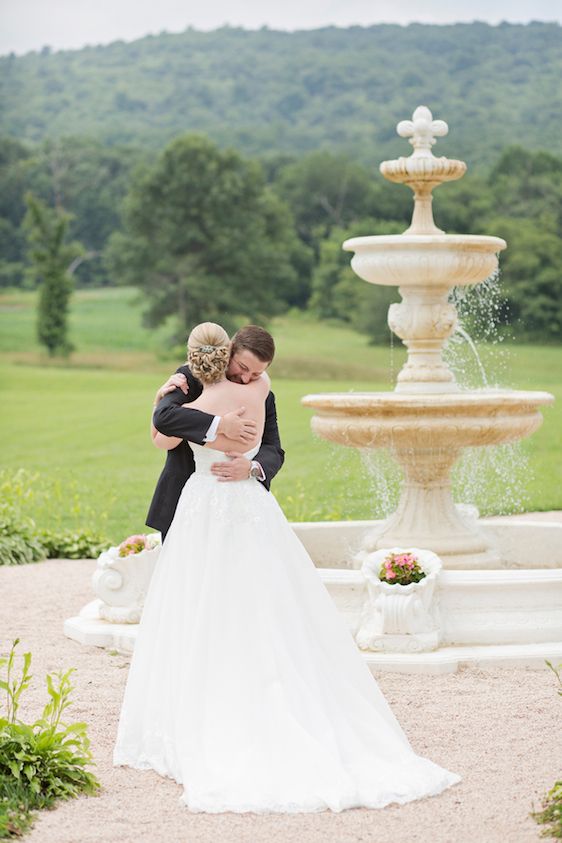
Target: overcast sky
62, 24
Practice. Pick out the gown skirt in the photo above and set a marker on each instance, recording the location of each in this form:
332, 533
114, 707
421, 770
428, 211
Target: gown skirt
246, 685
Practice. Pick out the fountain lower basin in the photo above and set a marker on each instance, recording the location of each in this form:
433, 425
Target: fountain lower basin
425, 433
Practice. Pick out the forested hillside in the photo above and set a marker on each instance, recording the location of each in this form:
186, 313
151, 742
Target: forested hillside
237, 162
267, 91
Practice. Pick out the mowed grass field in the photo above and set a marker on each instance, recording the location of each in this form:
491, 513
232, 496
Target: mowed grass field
83, 426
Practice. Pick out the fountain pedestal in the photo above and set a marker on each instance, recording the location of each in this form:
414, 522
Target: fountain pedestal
428, 517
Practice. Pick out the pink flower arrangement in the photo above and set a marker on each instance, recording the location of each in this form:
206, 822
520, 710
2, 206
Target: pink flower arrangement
136, 544
401, 569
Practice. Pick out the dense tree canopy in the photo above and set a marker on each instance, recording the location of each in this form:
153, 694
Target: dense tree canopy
206, 239
76, 175
309, 206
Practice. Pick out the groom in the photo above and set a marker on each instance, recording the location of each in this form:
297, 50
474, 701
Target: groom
251, 353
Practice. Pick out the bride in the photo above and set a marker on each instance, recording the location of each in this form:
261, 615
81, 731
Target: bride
245, 685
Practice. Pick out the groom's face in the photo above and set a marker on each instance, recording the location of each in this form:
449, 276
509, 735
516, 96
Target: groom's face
245, 367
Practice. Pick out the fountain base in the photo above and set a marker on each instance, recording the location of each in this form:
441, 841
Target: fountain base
507, 617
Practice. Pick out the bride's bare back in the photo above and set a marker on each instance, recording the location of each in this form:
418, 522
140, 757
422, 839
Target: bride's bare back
227, 397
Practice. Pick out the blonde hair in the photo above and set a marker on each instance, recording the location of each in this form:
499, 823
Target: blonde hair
208, 352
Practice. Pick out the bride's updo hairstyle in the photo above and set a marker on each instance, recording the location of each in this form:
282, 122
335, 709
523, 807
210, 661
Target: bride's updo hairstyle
208, 352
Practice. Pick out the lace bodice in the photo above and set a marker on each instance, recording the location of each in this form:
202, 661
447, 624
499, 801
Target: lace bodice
205, 457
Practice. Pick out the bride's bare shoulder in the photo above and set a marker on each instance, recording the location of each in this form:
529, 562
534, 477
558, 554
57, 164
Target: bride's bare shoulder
263, 384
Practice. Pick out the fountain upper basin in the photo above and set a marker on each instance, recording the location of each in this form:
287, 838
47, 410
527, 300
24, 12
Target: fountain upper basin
445, 420
435, 260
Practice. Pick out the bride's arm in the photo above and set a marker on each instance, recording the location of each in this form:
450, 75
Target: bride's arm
165, 443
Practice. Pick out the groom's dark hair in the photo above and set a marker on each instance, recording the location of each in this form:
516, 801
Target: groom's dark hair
254, 339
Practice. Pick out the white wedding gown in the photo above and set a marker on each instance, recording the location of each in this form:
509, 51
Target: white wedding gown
246, 685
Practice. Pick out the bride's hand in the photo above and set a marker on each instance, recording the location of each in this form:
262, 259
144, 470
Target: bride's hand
237, 468
236, 428
177, 380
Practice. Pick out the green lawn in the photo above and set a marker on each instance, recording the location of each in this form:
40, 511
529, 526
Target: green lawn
84, 426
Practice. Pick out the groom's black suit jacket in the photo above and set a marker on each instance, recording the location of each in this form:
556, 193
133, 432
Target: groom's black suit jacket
171, 419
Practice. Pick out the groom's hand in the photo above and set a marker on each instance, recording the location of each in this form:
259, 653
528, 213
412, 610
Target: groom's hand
236, 428
237, 468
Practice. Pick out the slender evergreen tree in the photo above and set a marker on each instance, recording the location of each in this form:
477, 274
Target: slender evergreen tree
51, 265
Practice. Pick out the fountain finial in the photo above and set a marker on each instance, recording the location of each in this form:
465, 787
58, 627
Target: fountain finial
422, 171
423, 131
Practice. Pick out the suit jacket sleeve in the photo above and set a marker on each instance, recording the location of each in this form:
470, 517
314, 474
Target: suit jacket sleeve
270, 455
171, 419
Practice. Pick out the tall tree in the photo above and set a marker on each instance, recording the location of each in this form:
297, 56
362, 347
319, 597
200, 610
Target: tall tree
205, 238
52, 264
14, 164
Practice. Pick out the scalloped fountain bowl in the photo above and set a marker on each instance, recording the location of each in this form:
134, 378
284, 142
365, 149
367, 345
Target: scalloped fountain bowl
421, 260
441, 421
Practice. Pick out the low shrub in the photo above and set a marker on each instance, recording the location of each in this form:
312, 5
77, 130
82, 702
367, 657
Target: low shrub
41, 762
21, 541
72, 544
551, 814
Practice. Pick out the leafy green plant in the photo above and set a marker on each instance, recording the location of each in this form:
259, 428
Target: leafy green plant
16, 806
551, 814
43, 761
73, 544
21, 541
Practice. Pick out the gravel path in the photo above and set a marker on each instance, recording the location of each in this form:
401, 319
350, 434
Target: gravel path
500, 729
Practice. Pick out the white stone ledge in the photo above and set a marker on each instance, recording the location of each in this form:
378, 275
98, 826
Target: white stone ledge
451, 659
521, 544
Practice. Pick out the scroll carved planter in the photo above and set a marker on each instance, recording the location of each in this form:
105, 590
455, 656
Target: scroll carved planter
400, 618
121, 583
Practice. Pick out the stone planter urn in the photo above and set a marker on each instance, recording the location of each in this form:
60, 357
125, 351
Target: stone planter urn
400, 618
121, 582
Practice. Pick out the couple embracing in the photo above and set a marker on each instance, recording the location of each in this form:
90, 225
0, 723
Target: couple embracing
246, 685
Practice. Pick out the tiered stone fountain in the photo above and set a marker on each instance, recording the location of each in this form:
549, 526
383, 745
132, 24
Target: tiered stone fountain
426, 422
427, 419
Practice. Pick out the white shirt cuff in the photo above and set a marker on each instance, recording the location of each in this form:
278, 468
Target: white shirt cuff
262, 475
211, 434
